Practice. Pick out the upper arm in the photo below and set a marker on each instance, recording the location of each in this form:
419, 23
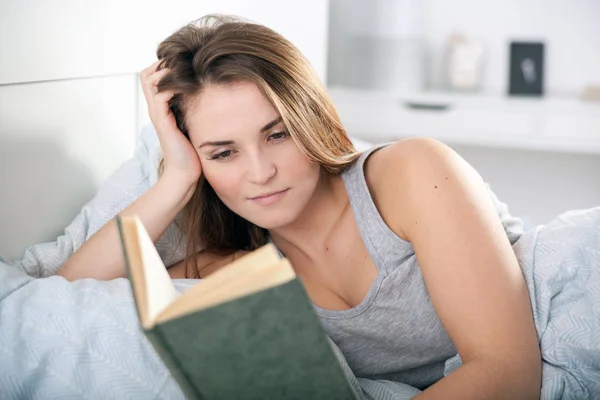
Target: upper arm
441, 205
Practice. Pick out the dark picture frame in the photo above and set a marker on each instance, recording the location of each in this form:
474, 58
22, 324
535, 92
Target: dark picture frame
526, 71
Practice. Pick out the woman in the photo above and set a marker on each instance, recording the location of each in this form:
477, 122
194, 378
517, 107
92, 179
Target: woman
403, 250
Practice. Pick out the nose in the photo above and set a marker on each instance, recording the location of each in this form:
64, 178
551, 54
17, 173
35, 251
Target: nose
261, 168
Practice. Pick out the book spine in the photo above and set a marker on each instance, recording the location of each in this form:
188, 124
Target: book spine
161, 346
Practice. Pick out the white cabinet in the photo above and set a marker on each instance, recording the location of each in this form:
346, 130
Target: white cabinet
560, 125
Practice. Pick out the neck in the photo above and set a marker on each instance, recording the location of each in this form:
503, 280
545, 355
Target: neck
308, 234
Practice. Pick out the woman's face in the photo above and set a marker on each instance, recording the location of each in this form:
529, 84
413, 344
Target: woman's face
247, 155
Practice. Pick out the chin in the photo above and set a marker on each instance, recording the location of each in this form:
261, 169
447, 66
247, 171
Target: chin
273, 220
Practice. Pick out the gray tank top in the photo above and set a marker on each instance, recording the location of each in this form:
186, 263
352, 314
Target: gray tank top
394, 333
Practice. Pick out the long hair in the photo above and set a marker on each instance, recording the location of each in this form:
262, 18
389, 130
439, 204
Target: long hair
220, 49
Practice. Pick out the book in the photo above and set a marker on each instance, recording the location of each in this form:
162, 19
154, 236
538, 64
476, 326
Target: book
247, 331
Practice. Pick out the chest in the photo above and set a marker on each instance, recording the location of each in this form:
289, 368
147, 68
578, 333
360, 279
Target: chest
395, 333
343, 274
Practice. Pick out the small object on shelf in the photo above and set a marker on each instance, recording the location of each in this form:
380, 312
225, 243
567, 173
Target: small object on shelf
426, 106
526, 69
591, 93
464, 63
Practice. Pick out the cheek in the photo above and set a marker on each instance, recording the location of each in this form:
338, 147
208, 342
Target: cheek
225, 181
296, 165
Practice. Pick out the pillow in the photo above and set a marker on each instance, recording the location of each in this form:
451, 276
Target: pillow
125, 185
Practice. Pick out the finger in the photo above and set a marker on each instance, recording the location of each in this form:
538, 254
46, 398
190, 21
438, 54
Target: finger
158, 106
164, 97
150, 83
151, 91
149, 70
154, 78
157, 76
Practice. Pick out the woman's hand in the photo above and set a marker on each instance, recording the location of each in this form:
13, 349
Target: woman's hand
180, 157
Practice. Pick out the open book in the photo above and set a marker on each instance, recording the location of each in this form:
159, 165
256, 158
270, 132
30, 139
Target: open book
247, 331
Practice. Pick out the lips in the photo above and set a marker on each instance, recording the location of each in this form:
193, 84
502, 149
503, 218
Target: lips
269, 198
264, 196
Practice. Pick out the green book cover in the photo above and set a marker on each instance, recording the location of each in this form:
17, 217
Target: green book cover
248, 331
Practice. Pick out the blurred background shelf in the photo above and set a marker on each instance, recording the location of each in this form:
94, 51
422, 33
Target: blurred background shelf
564, 125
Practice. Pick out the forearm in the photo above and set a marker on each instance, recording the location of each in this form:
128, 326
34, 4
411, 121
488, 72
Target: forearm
101, 257
486, 380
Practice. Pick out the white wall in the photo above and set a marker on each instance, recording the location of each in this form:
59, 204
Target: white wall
570, 29
42, 40
538, 186
371, 43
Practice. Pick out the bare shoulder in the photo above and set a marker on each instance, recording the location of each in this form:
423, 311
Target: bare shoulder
430, 196
401, 172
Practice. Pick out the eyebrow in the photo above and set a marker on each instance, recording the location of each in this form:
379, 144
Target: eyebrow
228, 142
271, 124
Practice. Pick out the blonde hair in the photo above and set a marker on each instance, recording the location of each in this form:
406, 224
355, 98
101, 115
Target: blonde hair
220, 49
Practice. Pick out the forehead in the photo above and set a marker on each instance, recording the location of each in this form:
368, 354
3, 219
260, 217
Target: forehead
229, 110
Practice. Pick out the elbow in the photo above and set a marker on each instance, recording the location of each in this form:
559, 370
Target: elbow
530, 373
532, 383
528, 386
528, 389
72, 273
66, 272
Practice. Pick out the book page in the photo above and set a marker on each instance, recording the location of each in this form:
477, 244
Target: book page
160, 291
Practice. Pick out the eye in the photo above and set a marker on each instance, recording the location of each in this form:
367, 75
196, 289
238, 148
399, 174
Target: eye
278, 136
224, 155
